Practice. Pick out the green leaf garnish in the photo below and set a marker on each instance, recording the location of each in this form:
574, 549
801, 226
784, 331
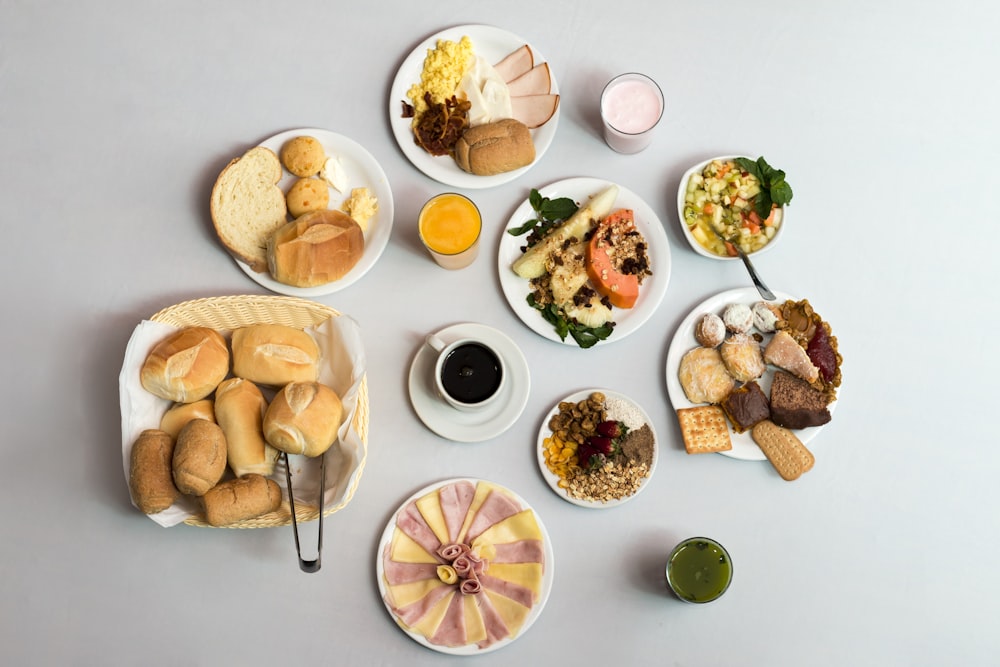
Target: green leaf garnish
774, 189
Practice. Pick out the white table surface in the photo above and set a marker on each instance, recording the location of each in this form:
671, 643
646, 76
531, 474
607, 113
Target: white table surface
114, 121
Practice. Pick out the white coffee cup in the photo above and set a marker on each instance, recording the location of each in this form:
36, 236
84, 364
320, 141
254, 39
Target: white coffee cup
468, 373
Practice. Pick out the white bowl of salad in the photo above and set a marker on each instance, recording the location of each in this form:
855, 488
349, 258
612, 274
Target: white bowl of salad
742, 198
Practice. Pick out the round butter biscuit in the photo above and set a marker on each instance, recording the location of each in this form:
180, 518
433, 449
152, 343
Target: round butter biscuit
303, 156
306, 195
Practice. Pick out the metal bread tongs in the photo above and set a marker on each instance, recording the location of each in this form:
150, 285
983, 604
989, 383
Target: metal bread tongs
307, 565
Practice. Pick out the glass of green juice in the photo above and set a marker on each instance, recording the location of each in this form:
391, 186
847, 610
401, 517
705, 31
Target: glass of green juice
699, 570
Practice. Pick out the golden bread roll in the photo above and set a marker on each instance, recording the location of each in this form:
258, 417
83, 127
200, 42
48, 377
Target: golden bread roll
303, 156
179, 414
150, 480
703, 376
239, 408
187, 365
314, 249
495, 148
303, 418
307, 194
199, 457
275, 354
239, 499
743, 358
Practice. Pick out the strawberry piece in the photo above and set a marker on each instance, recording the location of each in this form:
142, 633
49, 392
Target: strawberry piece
609, 429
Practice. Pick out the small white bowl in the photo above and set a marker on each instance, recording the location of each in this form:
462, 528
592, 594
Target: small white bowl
698, 248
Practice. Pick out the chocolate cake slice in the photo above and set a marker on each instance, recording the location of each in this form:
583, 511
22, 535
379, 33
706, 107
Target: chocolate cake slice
795, 403
746, 406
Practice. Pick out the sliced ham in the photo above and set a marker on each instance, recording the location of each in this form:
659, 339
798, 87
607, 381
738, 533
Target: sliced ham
496, 629
523, 551
536, 81
451, 632
495, 508
411, 522
404, 573
534, 110
515, 63
413, 612
515, 592
455, 501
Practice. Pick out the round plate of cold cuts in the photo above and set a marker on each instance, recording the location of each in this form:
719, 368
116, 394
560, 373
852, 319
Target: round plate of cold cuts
464, 566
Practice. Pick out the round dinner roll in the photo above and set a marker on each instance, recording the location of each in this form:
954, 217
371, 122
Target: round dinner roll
315, 248
303, 418
187, 365
307, 194
303, 156
199, 459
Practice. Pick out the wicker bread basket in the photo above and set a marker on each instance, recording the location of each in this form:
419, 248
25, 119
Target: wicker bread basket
232, 312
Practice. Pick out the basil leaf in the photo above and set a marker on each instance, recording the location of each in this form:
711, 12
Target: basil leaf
535, 199
557, 209
526, 227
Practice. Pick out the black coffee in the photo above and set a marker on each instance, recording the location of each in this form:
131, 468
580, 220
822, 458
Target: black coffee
471, 373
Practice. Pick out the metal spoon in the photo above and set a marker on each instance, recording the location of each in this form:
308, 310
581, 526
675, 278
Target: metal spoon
761, 287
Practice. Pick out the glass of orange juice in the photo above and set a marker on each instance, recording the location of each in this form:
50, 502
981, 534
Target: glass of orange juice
449, 226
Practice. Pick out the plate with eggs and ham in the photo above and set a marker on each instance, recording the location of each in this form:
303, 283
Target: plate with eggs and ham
465, 566
474, 106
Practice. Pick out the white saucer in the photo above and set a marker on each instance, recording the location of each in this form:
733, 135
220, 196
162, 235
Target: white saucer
459, 425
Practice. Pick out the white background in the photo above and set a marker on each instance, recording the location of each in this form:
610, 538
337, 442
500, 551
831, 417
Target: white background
115, 119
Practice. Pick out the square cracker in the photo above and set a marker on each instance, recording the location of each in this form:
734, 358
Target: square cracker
783, 449
704, 429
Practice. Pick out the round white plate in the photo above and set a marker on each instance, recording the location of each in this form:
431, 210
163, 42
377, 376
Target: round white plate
516, 289
697, 247
471, 649
743, 445
470, 426
492, 44
553, 479
362, 171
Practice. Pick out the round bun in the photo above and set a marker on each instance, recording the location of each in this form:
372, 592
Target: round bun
186, 366
303, 156
199, 457
315, 249
306, 195
303, 418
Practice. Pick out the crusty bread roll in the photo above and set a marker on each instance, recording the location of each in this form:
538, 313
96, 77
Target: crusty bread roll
303, 418
199, 457
275, 354
176, 417
314, 249
187, 365
149, 478
494, 148
239, 499
239, 408
247, 205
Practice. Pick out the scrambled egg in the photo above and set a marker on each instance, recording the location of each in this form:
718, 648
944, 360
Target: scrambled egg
361, 205
444, 67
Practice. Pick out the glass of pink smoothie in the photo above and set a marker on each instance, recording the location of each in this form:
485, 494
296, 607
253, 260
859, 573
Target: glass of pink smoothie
631, 107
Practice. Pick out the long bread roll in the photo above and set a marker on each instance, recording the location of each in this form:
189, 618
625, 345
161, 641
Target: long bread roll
176, 417
239, 409
243, 498
275, 354
150, 481
303, 418
187, 365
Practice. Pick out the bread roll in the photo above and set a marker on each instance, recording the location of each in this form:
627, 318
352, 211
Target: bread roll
239, 408
187, 365
176, 417
199, 457
149, 476
275, 354
307, 194
314, 249
494, 148
247, 205
303, 155
240, 499
303, 418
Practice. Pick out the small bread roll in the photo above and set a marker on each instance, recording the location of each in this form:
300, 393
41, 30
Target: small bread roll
303, 418
275, 354
176, 417
303, 156
315, 248
495, 148
743, 358
149, 477
187, 365
199, 457
307, 194
240, 407
239, 499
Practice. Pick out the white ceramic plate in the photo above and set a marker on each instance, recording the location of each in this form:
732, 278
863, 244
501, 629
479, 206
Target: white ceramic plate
470, 649
470, 426
553, 479
491, 43
516, 289
743, 445
697, 247
362, 171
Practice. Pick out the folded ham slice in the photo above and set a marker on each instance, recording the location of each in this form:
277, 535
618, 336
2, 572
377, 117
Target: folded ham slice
536, 81
534, 110
515, 63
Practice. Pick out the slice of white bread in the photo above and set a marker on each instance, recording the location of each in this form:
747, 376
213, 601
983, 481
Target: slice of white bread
247, 205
